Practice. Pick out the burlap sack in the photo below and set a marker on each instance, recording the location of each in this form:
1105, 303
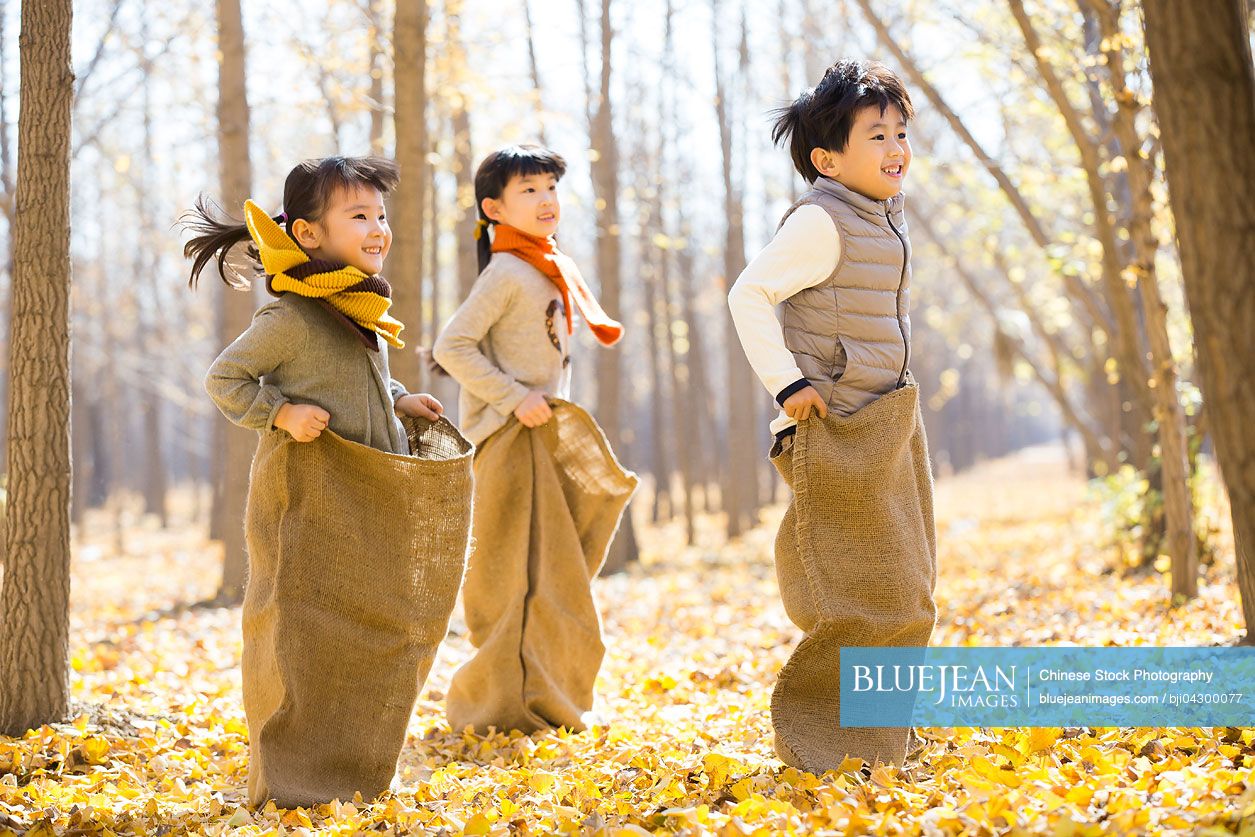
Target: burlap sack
856, 561
547, 504
355, 557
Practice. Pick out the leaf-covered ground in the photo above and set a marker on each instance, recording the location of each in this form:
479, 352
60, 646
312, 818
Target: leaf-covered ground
695, 638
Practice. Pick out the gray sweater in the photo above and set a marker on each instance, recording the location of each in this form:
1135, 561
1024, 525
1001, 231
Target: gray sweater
298, 350
507, 338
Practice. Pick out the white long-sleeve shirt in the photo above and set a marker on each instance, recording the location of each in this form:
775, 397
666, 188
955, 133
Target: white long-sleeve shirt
803, 253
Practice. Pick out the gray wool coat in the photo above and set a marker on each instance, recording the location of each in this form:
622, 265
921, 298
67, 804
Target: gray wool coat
299, 350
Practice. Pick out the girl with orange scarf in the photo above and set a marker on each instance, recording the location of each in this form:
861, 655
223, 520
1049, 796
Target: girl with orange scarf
549, 493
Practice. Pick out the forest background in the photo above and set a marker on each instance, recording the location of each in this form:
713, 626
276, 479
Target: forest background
1037, 195
1057, 303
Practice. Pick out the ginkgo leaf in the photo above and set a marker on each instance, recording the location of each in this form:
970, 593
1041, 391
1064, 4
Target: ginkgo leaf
695, 639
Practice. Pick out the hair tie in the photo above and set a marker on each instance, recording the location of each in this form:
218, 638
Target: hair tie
481, 225
281, 218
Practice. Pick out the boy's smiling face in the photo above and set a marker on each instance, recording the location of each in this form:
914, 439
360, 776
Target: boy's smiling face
528, 203
876, 158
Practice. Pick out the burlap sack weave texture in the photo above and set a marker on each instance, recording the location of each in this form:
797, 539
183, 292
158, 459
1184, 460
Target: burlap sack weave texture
355, 558
856, 562
548, 501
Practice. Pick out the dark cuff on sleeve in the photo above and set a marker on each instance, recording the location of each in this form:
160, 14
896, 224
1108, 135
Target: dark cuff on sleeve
796, 386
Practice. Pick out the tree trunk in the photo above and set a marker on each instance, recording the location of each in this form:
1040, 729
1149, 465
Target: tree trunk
678, 389
102, 462
151, 337
467, 214
80, 452
657, 323
34, 603
605, 177
89, 448
217, 470
117, 486
442, 293
675, 334
431, 256
374, 12
1130, 351
405, 262
1195, 48
1168, 413
156, 484
741, 486
700, 415
463, 155
538, 99
236, 308
815, 59
6, 209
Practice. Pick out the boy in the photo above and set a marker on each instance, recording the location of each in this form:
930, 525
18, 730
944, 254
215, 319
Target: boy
856, 551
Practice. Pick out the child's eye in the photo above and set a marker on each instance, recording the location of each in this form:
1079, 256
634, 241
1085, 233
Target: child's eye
879, 137
359, 215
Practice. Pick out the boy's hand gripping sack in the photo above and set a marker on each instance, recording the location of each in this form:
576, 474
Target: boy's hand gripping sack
856, 559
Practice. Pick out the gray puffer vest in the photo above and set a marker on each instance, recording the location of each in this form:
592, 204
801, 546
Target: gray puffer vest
851, 333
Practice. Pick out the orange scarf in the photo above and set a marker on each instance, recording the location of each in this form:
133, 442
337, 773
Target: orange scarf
544, 255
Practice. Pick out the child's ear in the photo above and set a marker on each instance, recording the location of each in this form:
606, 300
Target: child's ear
305, 233
492, 208
824, 161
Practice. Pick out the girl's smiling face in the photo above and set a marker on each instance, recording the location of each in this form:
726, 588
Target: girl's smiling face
528, 203
353, 230
876, 157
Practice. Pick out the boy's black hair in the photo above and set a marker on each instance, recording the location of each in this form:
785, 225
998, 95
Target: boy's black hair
822, 116
495, 172
306, 194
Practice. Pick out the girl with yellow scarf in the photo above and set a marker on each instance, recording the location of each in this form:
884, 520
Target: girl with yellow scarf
358, 517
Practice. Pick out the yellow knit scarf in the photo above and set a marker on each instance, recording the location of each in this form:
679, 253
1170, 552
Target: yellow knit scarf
363, 299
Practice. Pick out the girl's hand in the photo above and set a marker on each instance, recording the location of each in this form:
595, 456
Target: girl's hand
420, 405
304, 422
800, 405
534, 411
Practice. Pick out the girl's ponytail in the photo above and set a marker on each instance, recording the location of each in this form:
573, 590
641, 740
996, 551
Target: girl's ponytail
214, 239
306, 194
483, 243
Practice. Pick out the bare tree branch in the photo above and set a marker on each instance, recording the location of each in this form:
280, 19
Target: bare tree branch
538, 102
92, 137
1090, 303
1095, 442
1132, 359
6, 151
86, 73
